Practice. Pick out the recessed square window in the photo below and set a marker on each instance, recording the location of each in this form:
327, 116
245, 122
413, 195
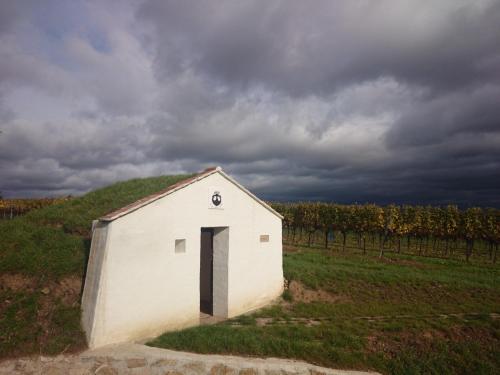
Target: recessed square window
180, 246
264, 238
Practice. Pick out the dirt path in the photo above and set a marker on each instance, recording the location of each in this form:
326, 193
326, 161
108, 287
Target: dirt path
317, 321
139, 359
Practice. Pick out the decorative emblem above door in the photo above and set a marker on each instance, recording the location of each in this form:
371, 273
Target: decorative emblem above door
215, 199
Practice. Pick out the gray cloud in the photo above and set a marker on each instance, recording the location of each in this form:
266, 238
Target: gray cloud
346, 101
302, 49
434, 120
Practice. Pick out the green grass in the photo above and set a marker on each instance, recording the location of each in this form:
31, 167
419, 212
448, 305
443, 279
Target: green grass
406, 293
45, 246
390, 315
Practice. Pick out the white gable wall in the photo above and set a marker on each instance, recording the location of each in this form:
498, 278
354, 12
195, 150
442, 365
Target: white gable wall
146, 288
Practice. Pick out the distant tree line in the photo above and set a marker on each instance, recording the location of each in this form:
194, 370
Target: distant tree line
397, 226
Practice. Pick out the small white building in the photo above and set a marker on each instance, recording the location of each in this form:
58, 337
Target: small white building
205, 244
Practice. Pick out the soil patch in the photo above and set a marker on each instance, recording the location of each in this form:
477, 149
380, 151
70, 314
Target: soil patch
302, 294
425, 341
290, 249
403, 262
67, 289
17, 282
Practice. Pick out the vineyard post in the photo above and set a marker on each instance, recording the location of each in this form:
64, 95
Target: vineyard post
491, 231
471, 227
344, 223
381, 246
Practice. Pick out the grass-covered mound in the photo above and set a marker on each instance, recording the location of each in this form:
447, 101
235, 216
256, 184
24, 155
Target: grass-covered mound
42, 262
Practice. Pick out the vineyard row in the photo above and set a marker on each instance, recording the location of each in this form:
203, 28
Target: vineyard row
10, 208
391, 224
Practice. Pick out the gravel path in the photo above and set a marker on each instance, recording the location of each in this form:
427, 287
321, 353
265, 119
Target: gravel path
136, 359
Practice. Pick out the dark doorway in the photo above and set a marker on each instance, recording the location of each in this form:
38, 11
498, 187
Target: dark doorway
206, 270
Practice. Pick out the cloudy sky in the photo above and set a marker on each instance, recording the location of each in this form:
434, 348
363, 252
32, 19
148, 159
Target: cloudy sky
350, 101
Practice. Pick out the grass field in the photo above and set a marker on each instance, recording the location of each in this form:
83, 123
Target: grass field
401, 315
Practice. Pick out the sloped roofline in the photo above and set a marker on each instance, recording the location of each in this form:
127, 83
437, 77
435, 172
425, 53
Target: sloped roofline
177, 186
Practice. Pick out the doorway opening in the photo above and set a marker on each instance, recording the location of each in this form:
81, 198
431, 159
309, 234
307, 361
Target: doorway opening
214, 252
207, 271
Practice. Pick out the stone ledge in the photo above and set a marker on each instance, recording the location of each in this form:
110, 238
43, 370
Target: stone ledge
143, 360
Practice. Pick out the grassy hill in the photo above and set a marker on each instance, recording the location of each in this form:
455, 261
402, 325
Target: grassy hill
400, 314
42, 262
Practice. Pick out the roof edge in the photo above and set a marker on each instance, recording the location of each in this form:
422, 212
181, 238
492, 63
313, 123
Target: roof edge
180, 185
113, 215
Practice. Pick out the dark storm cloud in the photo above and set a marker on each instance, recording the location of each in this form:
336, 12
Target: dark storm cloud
384, 101
304, 48
472, 111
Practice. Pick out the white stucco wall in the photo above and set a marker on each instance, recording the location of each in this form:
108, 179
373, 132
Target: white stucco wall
146, 288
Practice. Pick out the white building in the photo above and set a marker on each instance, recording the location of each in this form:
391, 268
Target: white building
204, 244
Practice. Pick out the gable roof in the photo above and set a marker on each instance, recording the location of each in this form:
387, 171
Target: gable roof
177, 186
